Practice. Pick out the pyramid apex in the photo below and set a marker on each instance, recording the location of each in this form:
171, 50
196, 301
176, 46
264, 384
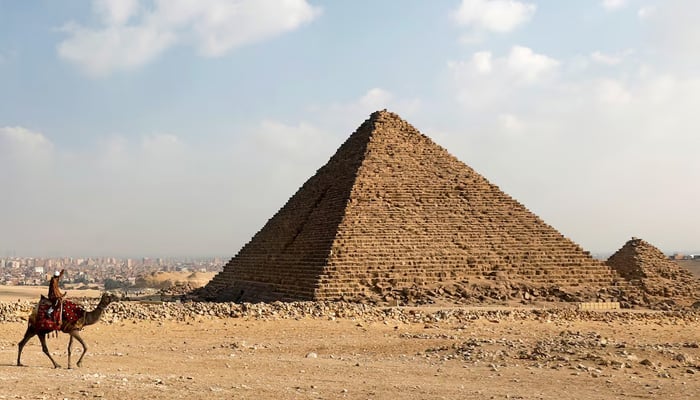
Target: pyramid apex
384, 114
648, 268
637, 242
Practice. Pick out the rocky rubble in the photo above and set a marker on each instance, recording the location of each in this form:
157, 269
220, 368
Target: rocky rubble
662, 281
189, 311
581, 352
501, 291
178, 290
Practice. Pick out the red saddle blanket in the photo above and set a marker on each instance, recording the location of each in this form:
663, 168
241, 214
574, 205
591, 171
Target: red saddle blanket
64, 317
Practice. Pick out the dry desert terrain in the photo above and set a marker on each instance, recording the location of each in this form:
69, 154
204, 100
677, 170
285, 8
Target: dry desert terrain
342, 351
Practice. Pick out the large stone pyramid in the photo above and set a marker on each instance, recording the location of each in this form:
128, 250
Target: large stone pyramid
393, 213
647, 268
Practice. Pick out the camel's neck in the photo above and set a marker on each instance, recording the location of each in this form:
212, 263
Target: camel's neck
93, 316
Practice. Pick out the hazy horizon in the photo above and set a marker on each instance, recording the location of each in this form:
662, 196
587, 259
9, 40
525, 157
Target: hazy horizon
155, 128
225, 258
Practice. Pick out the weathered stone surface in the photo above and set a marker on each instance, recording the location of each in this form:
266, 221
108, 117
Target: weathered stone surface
659, 278
394, 217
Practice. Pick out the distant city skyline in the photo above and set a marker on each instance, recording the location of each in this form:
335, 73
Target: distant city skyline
134, 128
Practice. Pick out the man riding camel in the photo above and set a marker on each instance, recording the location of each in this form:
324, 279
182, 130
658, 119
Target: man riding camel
55, 294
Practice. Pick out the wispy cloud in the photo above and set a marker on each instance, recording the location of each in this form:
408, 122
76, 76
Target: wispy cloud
484, 80
491, 16
25, 145
606, 59
646, 12
623, 135
116, 12
132, 35
614, 4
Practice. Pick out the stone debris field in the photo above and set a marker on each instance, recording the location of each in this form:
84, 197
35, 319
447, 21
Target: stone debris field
342, 350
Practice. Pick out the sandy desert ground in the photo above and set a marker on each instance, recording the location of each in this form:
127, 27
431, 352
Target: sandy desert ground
479, 353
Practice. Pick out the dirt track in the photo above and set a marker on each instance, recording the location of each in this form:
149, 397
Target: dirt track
321, 358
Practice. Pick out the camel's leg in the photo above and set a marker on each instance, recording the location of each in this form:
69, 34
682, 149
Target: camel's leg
45, 348
76, 335
27, 335
70, 347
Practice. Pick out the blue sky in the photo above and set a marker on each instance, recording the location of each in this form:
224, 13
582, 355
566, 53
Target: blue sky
178, 127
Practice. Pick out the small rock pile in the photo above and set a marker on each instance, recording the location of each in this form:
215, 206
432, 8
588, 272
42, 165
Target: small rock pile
178, 289
497, 292
191, 311
660, 279
15, 311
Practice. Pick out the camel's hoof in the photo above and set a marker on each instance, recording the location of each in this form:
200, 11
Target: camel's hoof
21, 365
57, 366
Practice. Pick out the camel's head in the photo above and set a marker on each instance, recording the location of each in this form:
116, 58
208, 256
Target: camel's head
106, 299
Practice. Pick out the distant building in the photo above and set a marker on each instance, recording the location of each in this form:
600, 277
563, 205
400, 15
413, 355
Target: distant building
677, 256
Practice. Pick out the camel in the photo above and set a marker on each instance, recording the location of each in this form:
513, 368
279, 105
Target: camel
70, 327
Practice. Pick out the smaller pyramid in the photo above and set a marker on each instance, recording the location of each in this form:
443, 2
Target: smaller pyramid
647, 268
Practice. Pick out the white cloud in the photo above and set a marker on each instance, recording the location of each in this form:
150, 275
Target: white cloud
116, 12
149, 194
614, 4
522, 65
160, 194
529, 67
612, 92
100, 52
606, 59
134, 35
114, 152
19, 137
23, 144
161, 143
376, 99
498, 16
511, 123
646, 12
605, 143
482, 62
291, 142
343, 114
485, 80
672, 33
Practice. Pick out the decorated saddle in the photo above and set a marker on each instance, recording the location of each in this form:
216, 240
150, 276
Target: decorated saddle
64, 315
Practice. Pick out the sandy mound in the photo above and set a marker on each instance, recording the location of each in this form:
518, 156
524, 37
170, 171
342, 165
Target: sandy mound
163, 280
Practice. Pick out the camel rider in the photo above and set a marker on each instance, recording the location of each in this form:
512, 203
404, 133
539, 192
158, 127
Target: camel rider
55, 294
